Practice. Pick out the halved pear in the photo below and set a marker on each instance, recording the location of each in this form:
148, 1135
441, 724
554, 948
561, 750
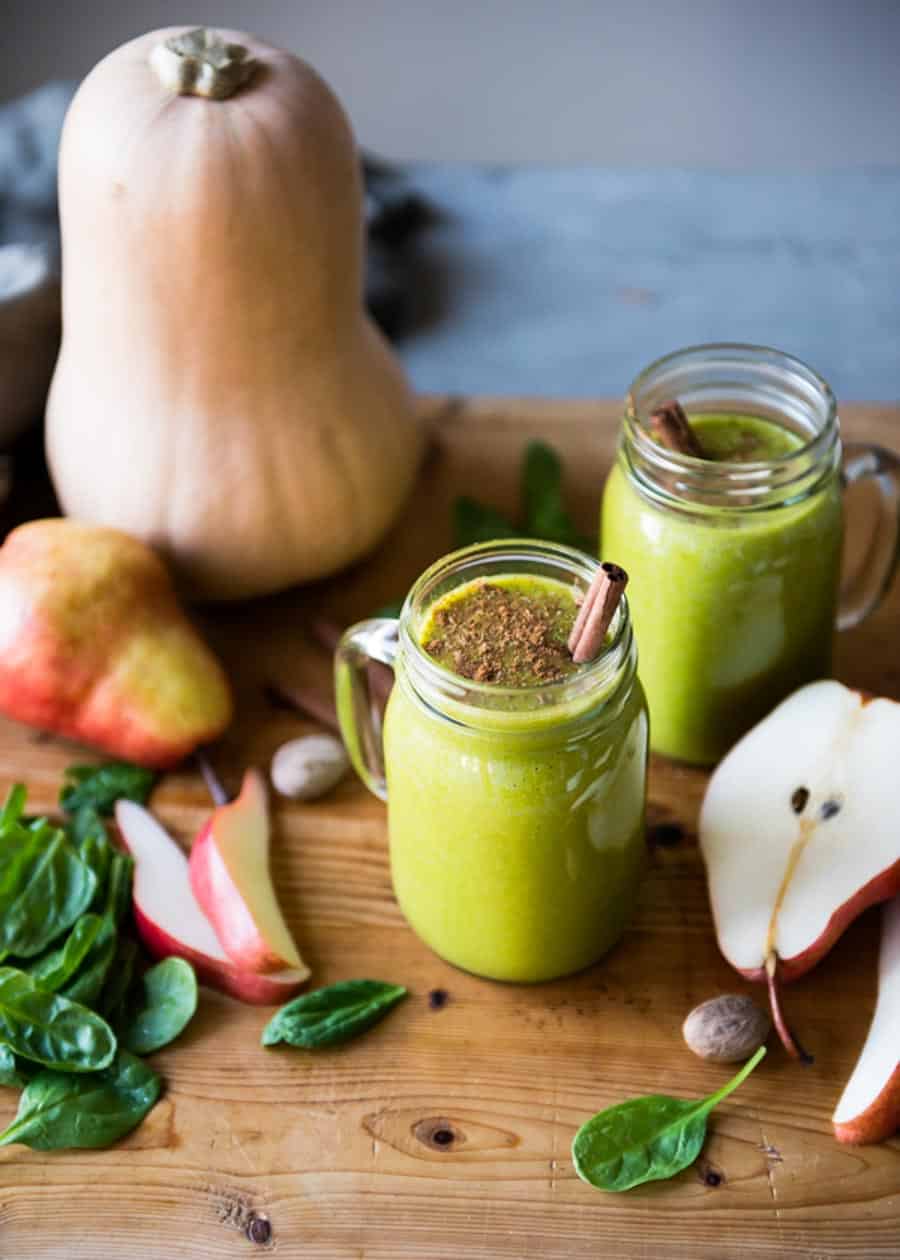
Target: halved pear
869, 1108
800, 832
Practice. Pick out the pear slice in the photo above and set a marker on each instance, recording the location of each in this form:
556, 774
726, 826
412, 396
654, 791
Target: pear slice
231, 879
170, 921
869, 1108
800, 832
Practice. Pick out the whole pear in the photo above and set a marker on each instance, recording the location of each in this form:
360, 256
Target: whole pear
94, 645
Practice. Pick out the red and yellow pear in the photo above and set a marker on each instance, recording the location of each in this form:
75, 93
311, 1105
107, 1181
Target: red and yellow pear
94, 645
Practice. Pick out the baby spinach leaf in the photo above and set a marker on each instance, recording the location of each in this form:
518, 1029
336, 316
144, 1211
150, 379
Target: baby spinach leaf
101, 786
50, 1028
542, 499
391, 609
647, 1139
113, 1000
331, 1015
58, 1111
543, 513
52, 970
475, 522
86, 832
14, 807
88, 981
86, 827
118, 886
13, 1073
165, 1007
44, 885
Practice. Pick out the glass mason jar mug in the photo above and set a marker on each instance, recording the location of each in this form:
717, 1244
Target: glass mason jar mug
516, 815
735, 566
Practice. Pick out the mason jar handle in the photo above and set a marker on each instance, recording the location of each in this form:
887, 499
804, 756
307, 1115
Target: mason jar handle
863, 591
358, 714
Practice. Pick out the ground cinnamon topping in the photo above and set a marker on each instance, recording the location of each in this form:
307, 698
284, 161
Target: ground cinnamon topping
497, 634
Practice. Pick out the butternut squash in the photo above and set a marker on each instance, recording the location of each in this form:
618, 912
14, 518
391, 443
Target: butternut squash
220, 391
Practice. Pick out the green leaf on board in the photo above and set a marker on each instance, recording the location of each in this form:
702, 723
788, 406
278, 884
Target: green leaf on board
58, 1111
647, 1139
87, 983
44, 885
542, 498
13, 1072
55, 968
475, 522
164, 1009
50, 1028
101, 786
333, 1014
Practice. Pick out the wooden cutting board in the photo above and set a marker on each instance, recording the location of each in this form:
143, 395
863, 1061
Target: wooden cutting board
330, 1155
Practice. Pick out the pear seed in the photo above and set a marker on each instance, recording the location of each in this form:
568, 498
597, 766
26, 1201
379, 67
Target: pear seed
799, 800
726, 1029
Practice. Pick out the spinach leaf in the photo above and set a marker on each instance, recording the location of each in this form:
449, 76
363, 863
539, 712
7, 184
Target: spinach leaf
86, 832
475, 522
542, 499
647, 1139
12, 1072
118, 886
49, 1028
101, 786
58, 1111
88, 981
14, 807
44, 885
333, 1014
114, 998
543, 511
390, 609
165, 1008
54, 969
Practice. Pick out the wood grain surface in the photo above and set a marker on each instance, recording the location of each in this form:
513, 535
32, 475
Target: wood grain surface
331, 1155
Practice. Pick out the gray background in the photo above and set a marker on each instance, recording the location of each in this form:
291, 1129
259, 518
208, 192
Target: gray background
612, 180
728, 83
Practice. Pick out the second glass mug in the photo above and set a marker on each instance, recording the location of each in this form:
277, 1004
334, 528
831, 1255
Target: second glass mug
515, 815
735, 567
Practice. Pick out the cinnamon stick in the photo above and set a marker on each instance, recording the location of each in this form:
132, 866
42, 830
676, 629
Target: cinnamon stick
671, 425
596, 612
311, 704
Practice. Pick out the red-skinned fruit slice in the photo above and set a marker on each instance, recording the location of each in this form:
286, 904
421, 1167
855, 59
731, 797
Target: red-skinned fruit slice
869, 1108
170, 921
231, 880
799, 833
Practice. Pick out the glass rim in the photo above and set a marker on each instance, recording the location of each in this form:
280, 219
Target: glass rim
435, 682
679, 478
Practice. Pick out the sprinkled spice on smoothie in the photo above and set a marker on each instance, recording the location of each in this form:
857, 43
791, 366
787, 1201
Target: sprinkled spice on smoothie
511, 631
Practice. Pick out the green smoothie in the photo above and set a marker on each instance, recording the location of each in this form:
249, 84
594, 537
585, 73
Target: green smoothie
732, 609
516, 833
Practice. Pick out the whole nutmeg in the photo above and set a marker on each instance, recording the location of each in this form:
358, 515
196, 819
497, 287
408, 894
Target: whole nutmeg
308, 767
726, 1029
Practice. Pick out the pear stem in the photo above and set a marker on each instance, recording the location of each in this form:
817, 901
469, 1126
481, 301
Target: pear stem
211, 779
788, 1040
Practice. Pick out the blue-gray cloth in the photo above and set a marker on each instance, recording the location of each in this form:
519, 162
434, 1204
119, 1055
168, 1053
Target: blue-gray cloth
567, 282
